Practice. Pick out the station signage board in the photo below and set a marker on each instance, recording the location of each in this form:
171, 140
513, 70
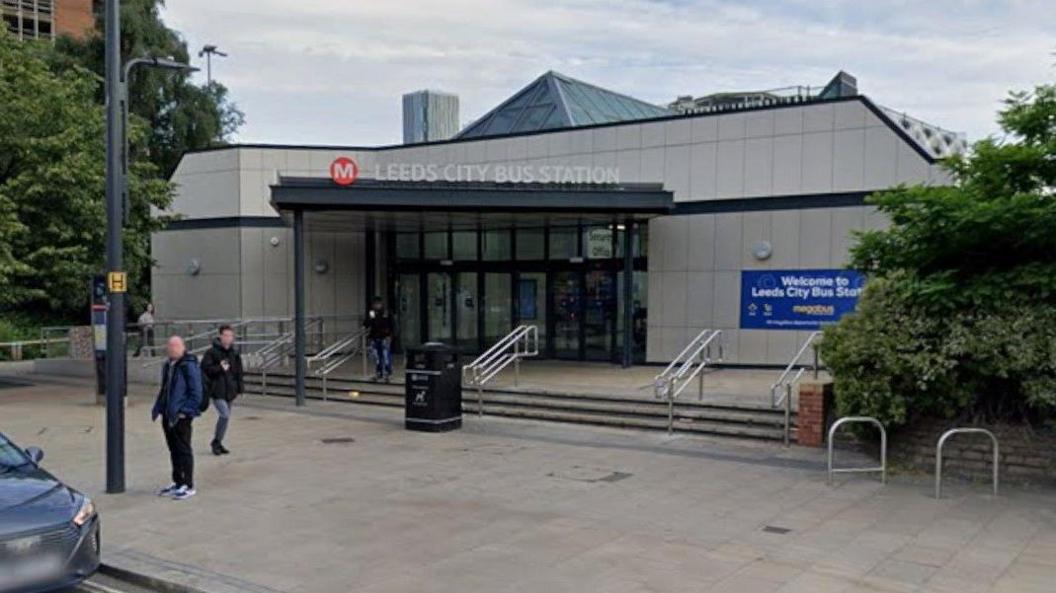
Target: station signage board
797, 299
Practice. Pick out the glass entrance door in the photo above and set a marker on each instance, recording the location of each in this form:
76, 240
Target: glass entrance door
466, 310
439, 306
567, 314
408, 309
599, 317
498, 305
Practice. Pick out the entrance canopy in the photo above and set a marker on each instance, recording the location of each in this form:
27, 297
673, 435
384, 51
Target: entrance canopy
418, 208
369, 204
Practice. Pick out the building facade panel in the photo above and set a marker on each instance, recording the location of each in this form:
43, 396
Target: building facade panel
725, 170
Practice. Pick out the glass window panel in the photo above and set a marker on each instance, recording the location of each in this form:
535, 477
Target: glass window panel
436, 246
439, 306
597, 242
530, 244
464, 244
466, 310
407, 246
563, 242
639, 311
641, 240
496, 245
497, 307
408, 318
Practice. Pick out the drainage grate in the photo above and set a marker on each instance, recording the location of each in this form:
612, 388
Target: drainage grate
776, 529
338, 441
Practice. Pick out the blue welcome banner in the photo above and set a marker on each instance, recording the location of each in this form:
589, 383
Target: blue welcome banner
797, 299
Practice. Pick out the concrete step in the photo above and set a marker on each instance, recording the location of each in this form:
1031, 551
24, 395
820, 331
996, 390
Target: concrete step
621, 411
688, 401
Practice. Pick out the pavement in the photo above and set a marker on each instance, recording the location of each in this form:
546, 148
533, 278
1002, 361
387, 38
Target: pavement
337, 498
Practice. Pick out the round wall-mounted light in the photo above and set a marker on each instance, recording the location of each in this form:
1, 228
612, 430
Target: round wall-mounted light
762, 250
194, 266
274, 241
321, 266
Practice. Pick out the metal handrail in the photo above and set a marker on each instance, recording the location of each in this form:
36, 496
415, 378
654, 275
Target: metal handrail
781, 380
883, 448
686, 366
208, 335
938, 455
337, 354
520, 343
787, 400
276, 352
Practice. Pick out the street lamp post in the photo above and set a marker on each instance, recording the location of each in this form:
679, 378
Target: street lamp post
116, 171
209, 51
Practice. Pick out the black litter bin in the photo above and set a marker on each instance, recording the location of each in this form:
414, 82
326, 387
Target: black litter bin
433, 388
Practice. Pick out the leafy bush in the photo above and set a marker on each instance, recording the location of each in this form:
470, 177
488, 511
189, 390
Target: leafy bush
959, 316
896, 360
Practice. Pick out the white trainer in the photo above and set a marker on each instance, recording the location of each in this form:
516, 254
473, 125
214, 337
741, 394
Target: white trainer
184, 493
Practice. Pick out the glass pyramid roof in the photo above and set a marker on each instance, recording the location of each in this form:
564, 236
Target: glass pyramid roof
557, 101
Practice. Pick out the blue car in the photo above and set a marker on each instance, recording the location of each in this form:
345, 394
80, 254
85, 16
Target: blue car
49, 532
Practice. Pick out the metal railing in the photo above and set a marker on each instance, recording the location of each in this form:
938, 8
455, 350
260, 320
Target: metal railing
688, 365
942, 441
883, 448
337, 354
780, 386
278, 351
520, 343
781, 390
17, 348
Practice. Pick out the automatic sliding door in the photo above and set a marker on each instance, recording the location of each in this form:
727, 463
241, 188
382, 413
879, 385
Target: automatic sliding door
531, 303
408, 308
599, 317
498, 306
466, 312
439, 307
567, 314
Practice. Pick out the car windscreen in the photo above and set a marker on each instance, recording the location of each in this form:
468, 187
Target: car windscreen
10, 455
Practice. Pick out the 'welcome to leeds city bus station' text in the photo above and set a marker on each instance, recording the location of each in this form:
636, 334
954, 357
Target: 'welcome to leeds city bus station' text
806, 287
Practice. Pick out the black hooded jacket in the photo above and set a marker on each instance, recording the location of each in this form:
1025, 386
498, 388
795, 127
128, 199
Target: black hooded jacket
221, 384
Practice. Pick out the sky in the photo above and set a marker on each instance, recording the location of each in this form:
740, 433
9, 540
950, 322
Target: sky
333, 71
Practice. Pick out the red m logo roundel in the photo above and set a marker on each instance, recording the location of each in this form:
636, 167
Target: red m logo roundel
344, 170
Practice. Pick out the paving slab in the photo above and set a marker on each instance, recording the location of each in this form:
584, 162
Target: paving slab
333, 498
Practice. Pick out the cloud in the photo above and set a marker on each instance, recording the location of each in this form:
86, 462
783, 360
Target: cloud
332, 71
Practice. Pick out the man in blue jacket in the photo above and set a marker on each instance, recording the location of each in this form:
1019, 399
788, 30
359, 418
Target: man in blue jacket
178, 403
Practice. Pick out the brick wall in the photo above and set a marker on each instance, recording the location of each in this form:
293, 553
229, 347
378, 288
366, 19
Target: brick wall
812, 416
74, 17
1028, 456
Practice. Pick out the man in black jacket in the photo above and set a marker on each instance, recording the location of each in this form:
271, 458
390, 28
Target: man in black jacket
380, 326
222, 367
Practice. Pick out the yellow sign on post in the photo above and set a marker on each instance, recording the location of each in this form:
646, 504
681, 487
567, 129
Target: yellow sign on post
117, 281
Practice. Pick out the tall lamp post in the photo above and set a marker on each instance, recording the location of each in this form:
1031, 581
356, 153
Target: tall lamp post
116, 170
209, 51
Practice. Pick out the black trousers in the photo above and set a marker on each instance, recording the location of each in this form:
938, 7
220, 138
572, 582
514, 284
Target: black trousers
178, 438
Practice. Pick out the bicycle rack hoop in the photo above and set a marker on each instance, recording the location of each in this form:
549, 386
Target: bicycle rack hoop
882, 468
942, 441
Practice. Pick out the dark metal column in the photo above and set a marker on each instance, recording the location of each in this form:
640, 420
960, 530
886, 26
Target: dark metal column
298, 303
628, 293
115, 321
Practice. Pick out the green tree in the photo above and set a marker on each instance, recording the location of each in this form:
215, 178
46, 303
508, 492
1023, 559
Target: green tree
179, 115
959, 316
52, 177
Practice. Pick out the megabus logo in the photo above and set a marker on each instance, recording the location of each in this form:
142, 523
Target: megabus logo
344, 171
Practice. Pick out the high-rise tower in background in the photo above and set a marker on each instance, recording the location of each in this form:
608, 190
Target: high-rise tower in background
429, 116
